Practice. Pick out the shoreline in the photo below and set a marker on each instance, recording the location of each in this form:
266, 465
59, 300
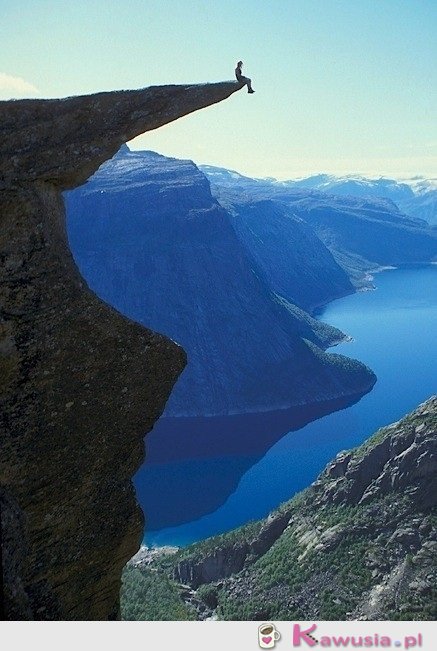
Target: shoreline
268, 410
346, 338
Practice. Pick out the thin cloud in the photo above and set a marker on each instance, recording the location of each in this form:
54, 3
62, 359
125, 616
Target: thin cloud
11, 87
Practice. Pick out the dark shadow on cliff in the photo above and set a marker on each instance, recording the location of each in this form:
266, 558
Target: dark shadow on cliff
80, 384
194, 464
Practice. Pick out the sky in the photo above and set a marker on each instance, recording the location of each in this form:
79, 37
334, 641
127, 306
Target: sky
342, 86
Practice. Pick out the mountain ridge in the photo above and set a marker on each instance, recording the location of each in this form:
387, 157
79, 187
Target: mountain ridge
359, 543
416, 196
156, 224
364, 234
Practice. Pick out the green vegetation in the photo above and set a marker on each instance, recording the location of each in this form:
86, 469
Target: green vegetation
411, 421
322, 334
336, 551
292, 572
414, 608
239, 536
208, 593
151, 595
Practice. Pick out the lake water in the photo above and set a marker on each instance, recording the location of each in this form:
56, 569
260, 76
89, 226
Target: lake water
207, 476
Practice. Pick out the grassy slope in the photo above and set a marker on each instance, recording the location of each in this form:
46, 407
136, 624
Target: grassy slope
332, 560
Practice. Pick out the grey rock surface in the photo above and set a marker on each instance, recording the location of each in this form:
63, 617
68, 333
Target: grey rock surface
80, 383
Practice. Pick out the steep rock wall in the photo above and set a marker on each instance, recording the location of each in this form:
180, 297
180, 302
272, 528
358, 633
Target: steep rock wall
359, 543
158, 231
80, 384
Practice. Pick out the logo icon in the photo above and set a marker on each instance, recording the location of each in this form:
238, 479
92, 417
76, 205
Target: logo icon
268, 635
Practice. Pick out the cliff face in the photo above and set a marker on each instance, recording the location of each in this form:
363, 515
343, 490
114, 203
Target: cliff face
162, 250
359, 543
80, 383
297, 265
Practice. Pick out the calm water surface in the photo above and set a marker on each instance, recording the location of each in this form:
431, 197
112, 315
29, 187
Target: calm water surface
193, 486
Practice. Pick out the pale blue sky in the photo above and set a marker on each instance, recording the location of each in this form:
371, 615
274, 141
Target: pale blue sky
341, 85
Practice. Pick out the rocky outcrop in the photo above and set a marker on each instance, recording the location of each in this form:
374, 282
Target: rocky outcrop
64, 141
223, 561
359, 543
403, 460
80, 383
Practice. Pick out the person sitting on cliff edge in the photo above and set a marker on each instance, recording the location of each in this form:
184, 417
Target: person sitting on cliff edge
241, 79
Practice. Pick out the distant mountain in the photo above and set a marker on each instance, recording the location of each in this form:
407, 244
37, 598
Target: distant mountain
363, 233
424, 203
152, 241
357, 186
416, 197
